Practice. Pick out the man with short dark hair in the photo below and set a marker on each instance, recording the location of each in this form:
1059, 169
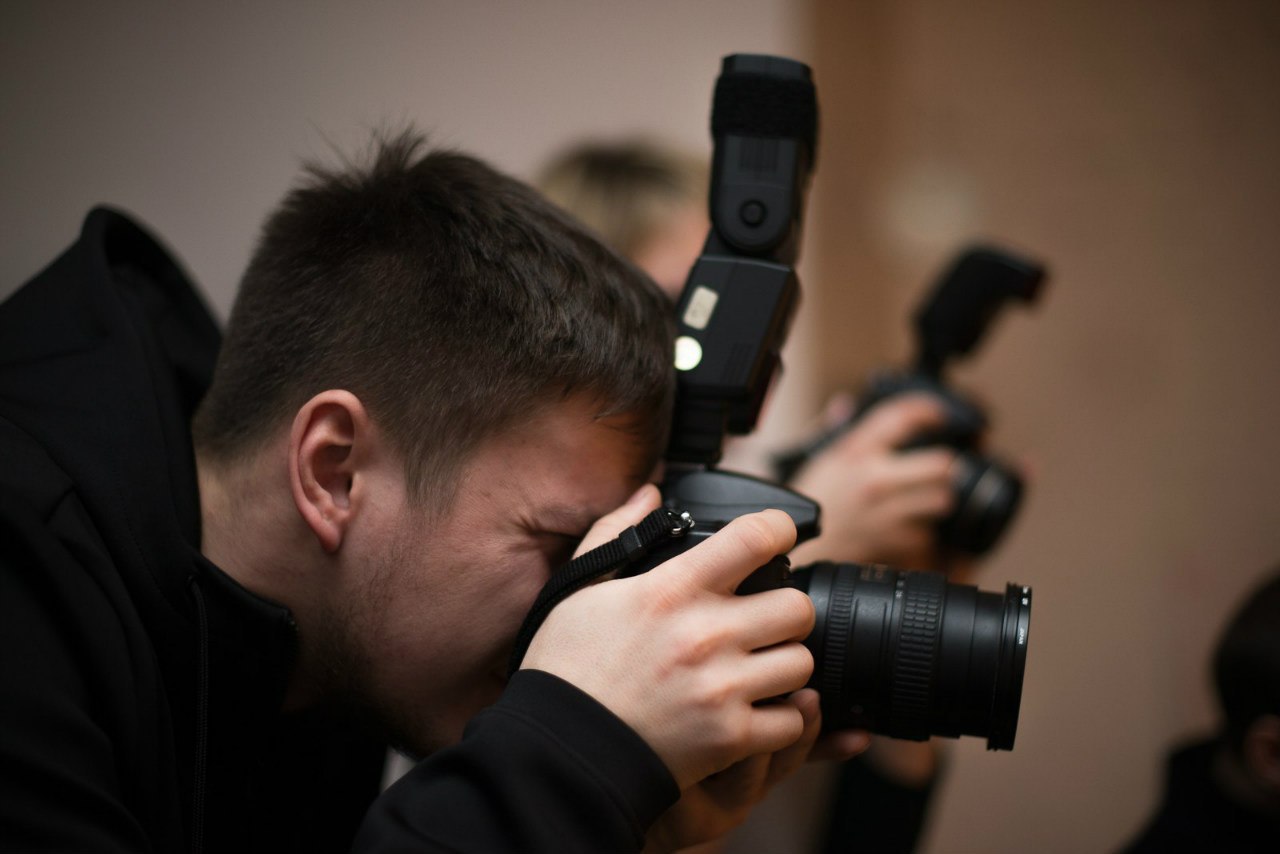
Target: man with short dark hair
432, 385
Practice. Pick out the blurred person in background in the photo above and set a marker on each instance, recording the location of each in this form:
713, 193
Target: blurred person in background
1222, 794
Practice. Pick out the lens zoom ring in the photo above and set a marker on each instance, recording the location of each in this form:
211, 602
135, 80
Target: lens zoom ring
914, 658
839, 622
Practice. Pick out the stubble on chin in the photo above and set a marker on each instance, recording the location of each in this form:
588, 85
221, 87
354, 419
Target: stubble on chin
350, 662
356, 658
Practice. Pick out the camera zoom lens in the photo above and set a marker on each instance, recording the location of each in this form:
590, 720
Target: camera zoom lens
908, 655
987, 497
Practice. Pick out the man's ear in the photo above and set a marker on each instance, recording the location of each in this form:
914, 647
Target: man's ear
326, 447
1262, 752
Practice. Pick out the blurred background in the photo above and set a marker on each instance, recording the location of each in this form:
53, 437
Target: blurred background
1131, 146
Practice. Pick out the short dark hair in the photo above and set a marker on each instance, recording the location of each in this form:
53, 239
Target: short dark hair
1246, 663
453, 300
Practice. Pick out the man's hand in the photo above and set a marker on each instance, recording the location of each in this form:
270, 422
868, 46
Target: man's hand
683, 660
712, 806
721, 802
880, 504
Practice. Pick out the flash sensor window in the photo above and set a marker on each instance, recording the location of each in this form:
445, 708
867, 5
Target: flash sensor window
702, 304
688, 353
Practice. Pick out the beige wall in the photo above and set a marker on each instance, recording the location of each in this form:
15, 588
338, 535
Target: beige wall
1135, 147
194, 115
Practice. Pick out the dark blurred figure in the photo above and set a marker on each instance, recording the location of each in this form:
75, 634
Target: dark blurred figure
1222, 795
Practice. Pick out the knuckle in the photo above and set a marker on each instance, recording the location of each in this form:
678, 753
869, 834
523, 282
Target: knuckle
797, 667
731, 732
758, 532
794, 667
881, 477
662, 596
693, 646
807, 615
877, 489
806, 660
799, 607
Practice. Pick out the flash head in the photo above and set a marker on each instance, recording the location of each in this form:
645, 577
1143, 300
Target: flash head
738, 302
955, 315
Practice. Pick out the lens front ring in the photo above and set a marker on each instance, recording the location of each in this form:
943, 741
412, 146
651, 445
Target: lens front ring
1006, 699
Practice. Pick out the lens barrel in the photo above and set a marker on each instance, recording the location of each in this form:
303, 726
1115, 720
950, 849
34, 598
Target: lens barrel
908, 655
988, 494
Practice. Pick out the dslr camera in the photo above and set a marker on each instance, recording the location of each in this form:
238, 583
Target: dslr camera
904, 654
949, 324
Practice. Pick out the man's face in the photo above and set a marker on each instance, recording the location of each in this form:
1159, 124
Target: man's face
444, 594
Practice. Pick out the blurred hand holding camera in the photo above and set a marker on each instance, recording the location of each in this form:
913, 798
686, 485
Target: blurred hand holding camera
881, 505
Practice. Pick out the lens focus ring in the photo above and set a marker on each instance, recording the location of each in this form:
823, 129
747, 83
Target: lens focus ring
838, 624
914, 660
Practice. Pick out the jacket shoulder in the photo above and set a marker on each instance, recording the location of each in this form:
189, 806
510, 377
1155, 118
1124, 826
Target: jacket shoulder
29, 479
86, 293
85, 755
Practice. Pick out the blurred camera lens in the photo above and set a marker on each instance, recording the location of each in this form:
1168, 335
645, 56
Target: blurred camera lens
987, 497
908, 655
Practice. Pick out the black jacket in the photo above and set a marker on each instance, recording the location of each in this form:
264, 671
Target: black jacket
1196, 817
140, 686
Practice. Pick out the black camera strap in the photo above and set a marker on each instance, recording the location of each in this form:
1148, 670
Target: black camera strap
659, 527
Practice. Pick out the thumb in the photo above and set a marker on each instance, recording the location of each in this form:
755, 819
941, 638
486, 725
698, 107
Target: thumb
723, 560
644, 501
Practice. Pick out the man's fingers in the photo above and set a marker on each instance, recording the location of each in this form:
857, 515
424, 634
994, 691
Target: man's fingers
924, 466
772, 617
740, 786
920, 504
840, 745
643, 501
775, 726
720, 562
837, 745
776, 671
891, 423
787, 760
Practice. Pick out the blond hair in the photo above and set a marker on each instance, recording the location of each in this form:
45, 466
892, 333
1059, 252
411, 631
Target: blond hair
626, 190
